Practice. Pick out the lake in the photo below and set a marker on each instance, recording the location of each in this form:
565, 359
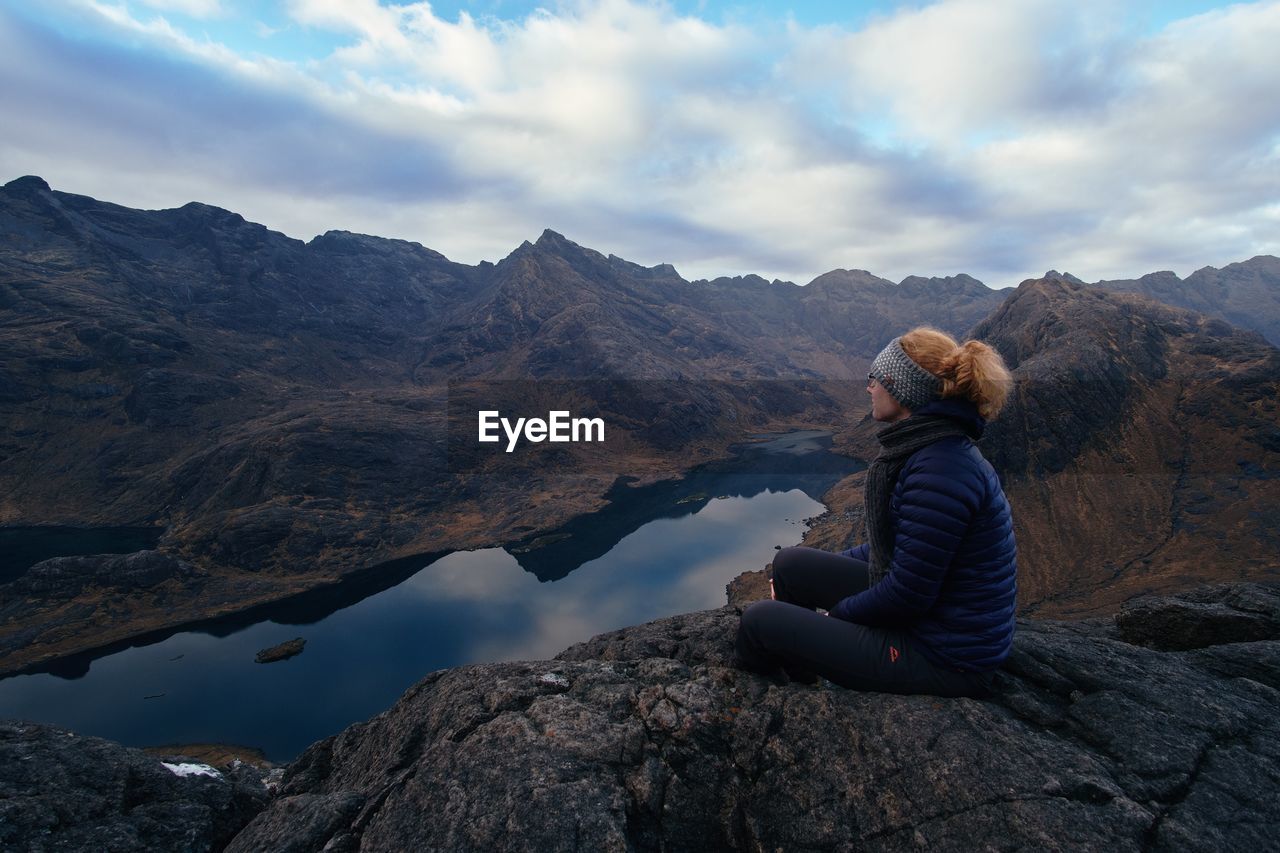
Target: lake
654, 551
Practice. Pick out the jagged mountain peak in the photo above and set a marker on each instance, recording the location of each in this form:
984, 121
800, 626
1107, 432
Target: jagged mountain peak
555, 261
1064, 276
554, 244
958, 284
855, 278
1164, 276
1070, 323
1047, 285
209, 212
27, 184
737, 281
591, 267
351, 243
1142, 427
1064, 321
657, 272
1270, 262
1246, 293
958, 279
555, 241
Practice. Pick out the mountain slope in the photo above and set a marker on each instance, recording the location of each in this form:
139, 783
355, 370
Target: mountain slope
1140, 448
1246, 294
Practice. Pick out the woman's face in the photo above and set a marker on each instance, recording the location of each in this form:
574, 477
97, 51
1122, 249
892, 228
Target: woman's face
883, 407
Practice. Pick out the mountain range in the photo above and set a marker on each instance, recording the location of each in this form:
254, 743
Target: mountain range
281, 409
1243, 294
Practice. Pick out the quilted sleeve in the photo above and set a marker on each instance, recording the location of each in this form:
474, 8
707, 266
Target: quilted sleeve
857, 552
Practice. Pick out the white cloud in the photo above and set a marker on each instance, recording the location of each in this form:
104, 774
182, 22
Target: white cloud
963, 67
996, 137
1175, 168
164, 34
194, 8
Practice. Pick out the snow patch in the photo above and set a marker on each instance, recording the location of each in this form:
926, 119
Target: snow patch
554, 678
192, 770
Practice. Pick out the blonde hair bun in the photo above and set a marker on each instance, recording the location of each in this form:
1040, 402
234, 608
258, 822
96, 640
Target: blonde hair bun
972, 370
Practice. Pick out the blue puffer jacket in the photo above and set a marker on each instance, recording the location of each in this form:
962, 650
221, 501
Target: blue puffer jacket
952, 581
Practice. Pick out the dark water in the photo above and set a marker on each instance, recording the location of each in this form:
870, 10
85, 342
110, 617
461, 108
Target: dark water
655, 551
23, 547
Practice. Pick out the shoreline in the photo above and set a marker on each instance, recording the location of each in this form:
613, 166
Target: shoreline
317, 597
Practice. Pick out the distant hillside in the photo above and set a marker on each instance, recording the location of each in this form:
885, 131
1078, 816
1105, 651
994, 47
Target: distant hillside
1140, 448
1245, 294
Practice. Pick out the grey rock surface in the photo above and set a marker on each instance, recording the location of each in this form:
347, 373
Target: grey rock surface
67, 577
1207, 616
62, 792
645, 739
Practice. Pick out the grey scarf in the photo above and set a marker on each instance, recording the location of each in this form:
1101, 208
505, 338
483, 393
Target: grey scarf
897, 442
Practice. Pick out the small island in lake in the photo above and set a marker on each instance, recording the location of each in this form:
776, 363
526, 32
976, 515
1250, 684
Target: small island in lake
284, 651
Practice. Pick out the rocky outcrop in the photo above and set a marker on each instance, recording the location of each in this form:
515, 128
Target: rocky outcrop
60, 791
1245, 294
647, 739
67, 577
1202, 617
282, 651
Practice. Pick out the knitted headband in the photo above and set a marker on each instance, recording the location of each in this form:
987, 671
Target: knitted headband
907, 382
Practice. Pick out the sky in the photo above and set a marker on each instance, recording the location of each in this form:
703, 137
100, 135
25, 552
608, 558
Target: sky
998, 138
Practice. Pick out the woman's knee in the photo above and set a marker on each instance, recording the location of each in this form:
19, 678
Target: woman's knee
751, 617
748, 640
756, 619
752, 648
785, 562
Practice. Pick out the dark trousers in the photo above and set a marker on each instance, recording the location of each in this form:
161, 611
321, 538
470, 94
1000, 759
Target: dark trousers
787, 640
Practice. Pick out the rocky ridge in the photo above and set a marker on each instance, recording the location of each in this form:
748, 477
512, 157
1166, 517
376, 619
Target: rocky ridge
647, 739
1244, 294
63, 792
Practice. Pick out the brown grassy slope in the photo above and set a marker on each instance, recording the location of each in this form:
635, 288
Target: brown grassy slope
1140, 449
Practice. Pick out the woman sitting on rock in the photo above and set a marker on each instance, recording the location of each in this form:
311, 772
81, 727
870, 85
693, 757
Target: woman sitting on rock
927, 604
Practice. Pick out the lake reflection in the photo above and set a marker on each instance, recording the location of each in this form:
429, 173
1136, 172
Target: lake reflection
465, 607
